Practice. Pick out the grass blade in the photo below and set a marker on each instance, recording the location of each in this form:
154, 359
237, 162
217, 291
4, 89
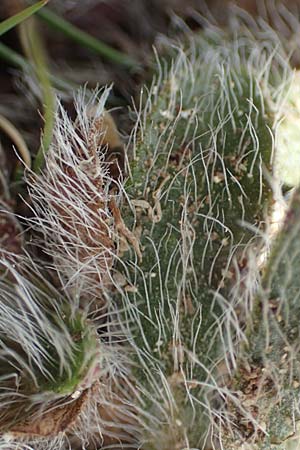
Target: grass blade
14, 58
17, 139
86, 39
16, 19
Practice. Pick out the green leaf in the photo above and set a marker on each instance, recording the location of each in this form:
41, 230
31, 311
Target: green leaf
14, 58
86, 39
16, 19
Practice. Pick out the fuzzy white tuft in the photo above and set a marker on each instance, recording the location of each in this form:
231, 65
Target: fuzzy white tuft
72, 199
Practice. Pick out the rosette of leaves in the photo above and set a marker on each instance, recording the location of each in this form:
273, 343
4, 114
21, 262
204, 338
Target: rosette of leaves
49, 354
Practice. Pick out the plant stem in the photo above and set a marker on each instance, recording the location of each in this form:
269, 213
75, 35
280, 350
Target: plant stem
34, 49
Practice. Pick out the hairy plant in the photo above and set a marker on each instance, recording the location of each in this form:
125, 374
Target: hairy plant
166, 323
49, 351
199, 197
63, 375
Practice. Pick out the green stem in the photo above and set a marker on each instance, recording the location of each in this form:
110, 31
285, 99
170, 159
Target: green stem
85, 39
35, 51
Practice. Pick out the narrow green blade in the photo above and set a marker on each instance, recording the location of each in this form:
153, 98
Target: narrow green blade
13, 21
86, 40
